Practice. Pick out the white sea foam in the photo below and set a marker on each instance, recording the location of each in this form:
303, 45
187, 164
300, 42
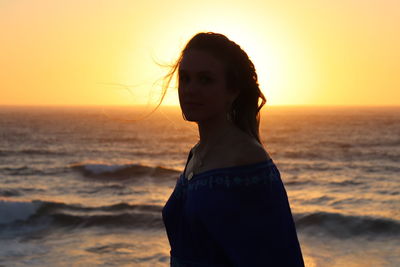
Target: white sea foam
11, 211
103, 168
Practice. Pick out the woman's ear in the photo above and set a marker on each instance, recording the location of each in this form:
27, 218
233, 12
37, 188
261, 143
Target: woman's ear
234, 93
232, 96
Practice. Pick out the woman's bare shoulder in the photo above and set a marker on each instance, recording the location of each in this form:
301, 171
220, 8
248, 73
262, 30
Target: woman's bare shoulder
249, 152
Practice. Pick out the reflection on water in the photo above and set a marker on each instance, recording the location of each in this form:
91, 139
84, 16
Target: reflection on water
78, 188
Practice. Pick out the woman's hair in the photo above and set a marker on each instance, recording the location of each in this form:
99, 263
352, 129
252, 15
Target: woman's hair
240, 74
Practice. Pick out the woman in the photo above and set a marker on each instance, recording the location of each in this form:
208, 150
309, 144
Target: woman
229, 206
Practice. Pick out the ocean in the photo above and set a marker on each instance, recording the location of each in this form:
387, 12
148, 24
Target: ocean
84, 186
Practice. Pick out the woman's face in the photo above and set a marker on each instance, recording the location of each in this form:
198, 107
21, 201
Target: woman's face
202, 87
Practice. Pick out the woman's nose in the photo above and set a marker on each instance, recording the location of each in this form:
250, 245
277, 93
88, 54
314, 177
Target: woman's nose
190, 88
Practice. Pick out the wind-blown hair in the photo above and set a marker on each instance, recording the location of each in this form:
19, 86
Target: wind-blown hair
240, 74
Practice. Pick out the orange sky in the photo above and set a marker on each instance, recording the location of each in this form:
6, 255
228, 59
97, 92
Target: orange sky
343, 52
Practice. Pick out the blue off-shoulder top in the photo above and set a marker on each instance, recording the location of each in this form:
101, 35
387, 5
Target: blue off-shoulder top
235, 216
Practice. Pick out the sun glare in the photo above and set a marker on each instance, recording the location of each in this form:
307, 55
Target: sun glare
72, 54
261, 51
283, 63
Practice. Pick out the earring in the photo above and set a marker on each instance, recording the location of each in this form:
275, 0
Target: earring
231, 114
228, 116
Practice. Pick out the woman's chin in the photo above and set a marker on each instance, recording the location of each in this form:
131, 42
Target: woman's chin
192, 116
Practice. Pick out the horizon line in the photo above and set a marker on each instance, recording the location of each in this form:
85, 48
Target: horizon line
177, 106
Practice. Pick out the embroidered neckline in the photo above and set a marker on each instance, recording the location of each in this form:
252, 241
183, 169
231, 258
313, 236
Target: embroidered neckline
268, 162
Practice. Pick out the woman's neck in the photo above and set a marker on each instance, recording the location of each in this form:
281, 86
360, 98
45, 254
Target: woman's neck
215, 130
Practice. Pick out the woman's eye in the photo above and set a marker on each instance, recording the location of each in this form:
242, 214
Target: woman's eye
205, 80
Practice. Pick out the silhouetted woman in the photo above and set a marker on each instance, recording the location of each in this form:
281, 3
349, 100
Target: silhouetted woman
229, 206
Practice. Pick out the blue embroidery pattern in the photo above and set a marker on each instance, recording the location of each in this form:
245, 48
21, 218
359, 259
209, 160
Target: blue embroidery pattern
233, 180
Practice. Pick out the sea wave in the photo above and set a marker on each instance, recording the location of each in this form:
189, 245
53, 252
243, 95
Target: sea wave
124, 171
13, 192
20, 170
9, 192
360, 143
28, 170
33, 151
145, 216
361, 153
11, 211
62, 214
347, 226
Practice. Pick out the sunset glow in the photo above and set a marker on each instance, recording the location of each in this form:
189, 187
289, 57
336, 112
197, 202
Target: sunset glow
106, 53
